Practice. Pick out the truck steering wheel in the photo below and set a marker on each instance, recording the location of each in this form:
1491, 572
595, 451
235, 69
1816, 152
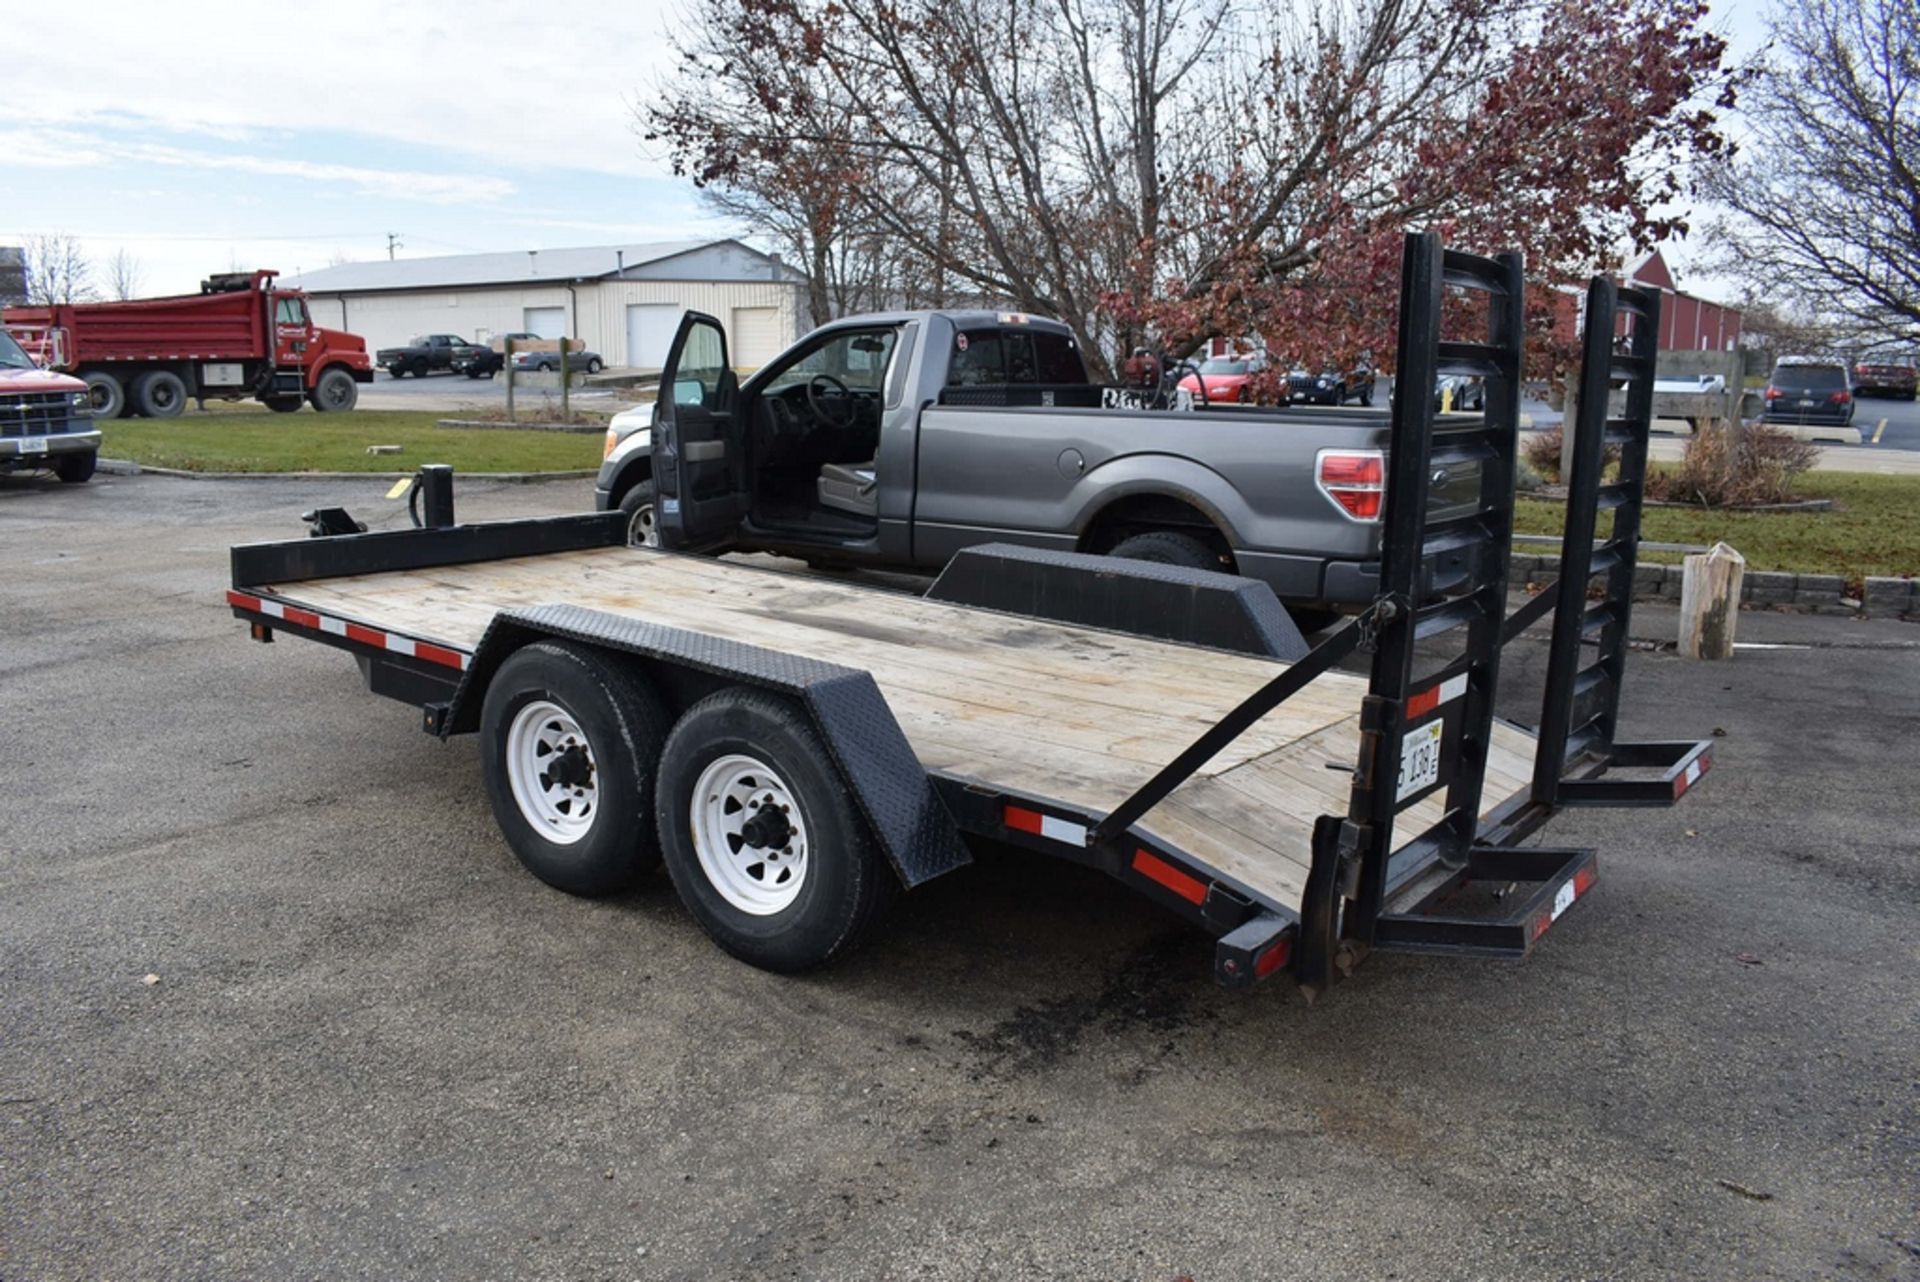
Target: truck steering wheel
841, 399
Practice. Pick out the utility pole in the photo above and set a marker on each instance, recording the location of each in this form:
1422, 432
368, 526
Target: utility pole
394, 242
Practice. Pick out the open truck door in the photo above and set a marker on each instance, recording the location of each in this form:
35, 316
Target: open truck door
699, 455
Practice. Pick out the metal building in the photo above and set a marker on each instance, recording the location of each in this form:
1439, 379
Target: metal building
622, 301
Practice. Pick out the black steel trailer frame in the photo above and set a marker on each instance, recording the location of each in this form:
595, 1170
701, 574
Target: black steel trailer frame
1362, 894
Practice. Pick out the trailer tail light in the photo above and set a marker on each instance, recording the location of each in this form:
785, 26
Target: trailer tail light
1355, 480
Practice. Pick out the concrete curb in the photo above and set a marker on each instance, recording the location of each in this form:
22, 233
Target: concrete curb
1885, 598
117, 467
510, 478
493, 425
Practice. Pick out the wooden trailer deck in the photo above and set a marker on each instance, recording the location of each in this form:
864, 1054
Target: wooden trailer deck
1052, 710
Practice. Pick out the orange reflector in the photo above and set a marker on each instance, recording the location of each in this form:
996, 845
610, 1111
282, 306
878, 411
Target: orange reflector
1183, 884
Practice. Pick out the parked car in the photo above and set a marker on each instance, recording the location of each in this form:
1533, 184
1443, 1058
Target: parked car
424, 354
1469, 394
484, 360
1808, 390
1223, 378
1334, 386
1886, 378
577, 360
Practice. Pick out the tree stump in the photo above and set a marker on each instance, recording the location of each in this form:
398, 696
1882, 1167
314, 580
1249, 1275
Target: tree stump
1710, 602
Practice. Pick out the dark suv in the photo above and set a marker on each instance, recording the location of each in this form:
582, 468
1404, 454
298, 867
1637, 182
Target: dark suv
1809, 390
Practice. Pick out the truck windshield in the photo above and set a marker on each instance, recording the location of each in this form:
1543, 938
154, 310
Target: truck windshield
857, 358
11, 356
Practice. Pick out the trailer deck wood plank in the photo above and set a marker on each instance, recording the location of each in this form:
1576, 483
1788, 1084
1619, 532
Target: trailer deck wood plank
1077, 714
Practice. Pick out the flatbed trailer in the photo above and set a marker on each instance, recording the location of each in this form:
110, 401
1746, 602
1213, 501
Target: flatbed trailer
797, 747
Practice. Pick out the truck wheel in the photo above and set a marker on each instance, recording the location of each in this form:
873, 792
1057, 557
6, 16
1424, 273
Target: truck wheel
283, 404
637, 503
74, 469
160, 393
108, 395
571, 742
335, 393
1167, 548
760, 837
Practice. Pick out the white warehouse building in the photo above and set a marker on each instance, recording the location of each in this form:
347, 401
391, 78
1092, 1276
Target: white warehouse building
623, 301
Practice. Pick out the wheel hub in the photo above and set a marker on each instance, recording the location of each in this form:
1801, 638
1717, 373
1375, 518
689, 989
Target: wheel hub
749, 834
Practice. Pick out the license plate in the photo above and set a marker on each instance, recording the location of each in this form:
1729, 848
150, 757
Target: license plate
1419, 760
33, 445
1806, 404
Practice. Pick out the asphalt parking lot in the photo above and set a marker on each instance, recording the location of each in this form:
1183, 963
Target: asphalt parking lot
375, 1048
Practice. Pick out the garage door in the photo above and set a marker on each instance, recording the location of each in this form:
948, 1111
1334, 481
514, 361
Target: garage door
650, 328
756, 337
548, 322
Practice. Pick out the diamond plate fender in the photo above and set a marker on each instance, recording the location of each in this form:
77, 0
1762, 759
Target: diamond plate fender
868, 748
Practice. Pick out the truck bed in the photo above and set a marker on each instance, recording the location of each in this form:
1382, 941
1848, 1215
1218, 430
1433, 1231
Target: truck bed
1051, 710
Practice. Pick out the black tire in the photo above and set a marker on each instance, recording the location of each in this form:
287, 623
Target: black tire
108, 393
1366, 397
284, 404
473, 371
397, 370
160, 393
637, 503
545, 367
623, 726
335, 393
1165, 547
594, 366
843, 881
75, 469
421, 368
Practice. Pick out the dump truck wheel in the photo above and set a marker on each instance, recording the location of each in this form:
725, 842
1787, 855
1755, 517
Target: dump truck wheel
284, 404
571, 740
760, 835
1165, 547
108, 394
335, 393
160, 393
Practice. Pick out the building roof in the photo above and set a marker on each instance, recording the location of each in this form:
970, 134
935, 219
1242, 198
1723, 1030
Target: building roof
510, 267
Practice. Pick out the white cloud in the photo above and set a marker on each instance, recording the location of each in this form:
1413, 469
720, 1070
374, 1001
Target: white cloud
526, 85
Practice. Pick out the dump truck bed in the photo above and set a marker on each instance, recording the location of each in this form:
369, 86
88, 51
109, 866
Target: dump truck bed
1025, 706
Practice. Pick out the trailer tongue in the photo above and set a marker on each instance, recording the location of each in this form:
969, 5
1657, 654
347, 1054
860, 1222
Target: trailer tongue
791, 746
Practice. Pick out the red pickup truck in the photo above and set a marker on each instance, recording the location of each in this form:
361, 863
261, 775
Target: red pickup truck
238, 337
46, 419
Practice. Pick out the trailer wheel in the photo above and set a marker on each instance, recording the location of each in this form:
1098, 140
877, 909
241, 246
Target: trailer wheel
571, 742
760, 837
73, 469
335, 393
160, 393
108, 394
1167, 548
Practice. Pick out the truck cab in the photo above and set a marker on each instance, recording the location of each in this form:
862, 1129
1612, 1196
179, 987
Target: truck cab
46, 418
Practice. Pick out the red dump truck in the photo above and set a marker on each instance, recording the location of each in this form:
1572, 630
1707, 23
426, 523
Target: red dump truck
238, 337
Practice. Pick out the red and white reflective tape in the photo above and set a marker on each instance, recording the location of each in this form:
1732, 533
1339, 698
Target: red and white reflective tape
1419, 705
1577, 885
1178, 880
301, 618
1691, 775
1021, 819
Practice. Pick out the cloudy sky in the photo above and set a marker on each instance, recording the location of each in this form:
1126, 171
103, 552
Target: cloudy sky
208, 135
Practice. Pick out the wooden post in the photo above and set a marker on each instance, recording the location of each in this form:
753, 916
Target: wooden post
509, 370
1710, 602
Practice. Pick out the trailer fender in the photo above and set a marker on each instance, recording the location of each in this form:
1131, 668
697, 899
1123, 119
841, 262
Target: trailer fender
869, 750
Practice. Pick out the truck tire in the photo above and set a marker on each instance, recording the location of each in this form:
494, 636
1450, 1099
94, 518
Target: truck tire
335, 393
637, 503
283, 404
108, 393
75, 469
1166, 547
570, 741
760, 836
160, 393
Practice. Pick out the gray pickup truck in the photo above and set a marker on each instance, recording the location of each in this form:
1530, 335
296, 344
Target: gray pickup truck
897, 439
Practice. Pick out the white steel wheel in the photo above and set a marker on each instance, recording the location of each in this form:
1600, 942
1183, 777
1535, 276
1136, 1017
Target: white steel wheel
550, 768
749, 834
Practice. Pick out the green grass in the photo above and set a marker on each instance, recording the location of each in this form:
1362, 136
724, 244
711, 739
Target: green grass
262, 441
1874, 528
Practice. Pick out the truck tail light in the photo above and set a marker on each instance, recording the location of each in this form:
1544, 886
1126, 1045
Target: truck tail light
1354, 479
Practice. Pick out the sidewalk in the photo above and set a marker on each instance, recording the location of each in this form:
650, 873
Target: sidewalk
1833, 458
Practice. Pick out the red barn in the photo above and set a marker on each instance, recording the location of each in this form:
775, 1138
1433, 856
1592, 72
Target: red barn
1688, 323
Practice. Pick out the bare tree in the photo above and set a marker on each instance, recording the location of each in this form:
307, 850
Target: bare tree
1826, 195
124, 274
58, 271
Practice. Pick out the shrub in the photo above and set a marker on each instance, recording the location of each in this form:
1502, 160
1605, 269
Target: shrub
1734, 466
1541, 452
